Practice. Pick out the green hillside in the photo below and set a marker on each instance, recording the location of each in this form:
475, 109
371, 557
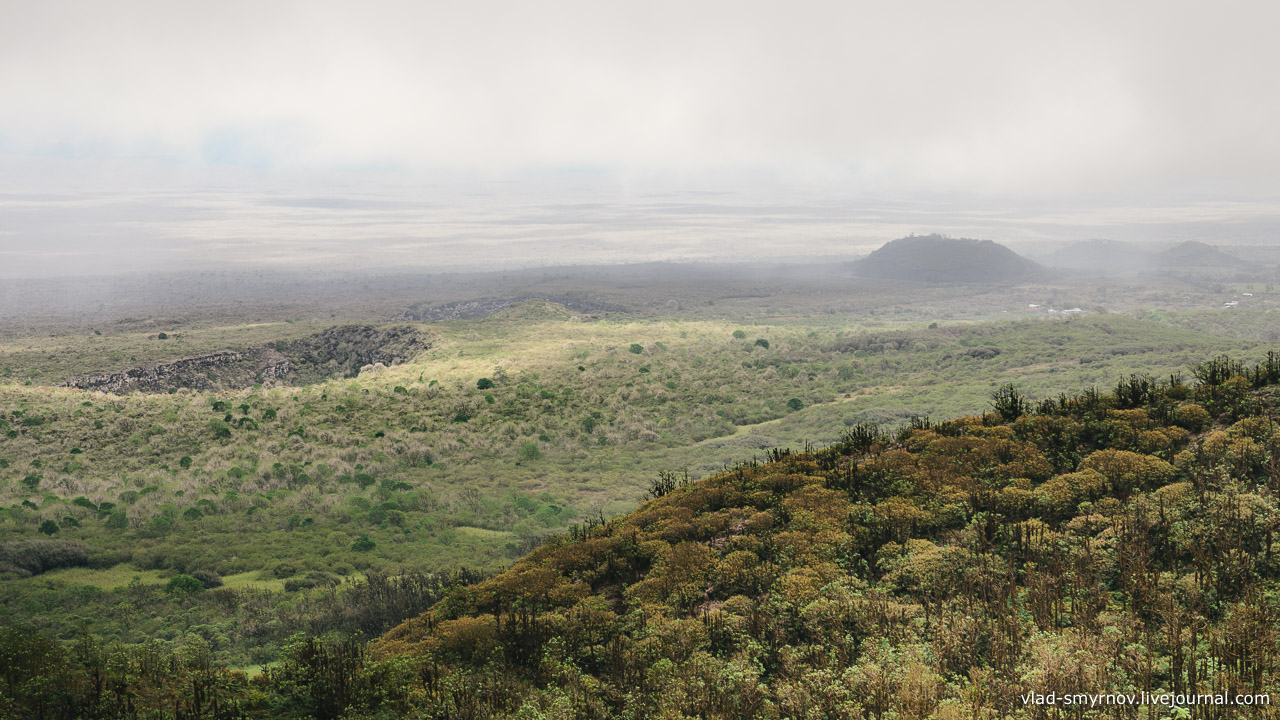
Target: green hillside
1103, 542
1100, 543
296, 505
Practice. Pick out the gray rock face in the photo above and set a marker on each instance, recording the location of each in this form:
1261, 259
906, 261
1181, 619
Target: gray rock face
337, 352
163, 375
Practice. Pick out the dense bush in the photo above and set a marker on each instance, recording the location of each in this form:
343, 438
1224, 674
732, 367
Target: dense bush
33, 557
183, 584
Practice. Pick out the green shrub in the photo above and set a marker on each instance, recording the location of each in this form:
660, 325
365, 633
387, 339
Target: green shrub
363, 544
49, 527
484, 383
636, 348
739, 335
1192, 417
530, 451
117, 521
761, 342
313, 579
795, 404
208, 578
183, 584
219, 429
159, 526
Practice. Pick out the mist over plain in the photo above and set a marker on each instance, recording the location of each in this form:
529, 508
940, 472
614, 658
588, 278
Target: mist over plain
139, 137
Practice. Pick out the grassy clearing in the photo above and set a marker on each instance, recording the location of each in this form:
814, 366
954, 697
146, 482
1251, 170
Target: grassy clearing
118, 577
252, 580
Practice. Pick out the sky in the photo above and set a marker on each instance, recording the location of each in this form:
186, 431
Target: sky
287, 132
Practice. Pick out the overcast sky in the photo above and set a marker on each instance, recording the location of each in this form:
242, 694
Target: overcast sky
1064, 106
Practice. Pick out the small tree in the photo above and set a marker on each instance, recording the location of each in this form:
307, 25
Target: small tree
761, 342
667, 482
636, 348
739, 335
795, 404
363, 544
1009, 403
49, 527
484, 384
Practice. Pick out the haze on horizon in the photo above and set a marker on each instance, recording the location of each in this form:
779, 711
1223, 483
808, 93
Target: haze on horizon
156, 135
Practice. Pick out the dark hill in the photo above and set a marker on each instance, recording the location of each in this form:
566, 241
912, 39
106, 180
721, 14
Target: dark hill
1192, 254
942, 259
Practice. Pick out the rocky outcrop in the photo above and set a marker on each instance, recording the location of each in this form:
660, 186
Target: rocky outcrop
337, 352
185, 372
341, 351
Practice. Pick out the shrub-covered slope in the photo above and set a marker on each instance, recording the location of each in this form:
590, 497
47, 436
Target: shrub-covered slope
1096, 544
1114, 542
